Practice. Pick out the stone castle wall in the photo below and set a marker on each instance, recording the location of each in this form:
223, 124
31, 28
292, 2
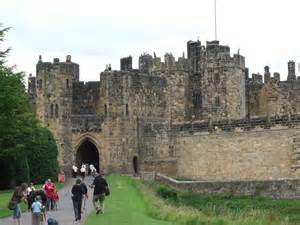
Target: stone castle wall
223, 150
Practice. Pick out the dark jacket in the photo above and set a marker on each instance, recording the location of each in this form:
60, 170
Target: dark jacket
84, 188
18, 194
77, 192
100, 185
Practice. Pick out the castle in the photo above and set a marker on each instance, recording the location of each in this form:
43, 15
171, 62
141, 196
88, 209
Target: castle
197, 117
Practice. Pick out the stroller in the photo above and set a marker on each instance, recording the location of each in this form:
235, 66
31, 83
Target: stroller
51, 221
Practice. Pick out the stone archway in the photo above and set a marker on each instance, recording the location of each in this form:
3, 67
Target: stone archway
87, 153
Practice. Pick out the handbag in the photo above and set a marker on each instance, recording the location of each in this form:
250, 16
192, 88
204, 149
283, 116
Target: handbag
12, 205
107, 191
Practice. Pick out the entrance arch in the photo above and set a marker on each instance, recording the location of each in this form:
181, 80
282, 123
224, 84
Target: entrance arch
87, 153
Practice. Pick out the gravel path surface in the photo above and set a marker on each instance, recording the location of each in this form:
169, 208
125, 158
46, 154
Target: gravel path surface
65, 214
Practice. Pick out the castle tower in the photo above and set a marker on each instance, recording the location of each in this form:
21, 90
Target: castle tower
126, 63
291, 71
267, 74
54, 102
222, 83
194, 54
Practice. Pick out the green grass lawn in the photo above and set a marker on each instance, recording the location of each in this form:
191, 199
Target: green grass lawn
5, 197
125, 206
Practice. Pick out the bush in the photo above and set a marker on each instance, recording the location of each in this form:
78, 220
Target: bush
167, 193
42, 157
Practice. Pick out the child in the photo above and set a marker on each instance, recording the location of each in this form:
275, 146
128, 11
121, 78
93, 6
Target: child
36, 209
55, 199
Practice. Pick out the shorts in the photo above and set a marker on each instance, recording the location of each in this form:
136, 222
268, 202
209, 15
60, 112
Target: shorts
17, 212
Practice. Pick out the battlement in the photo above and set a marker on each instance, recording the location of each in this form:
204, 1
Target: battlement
214, 127
57, 67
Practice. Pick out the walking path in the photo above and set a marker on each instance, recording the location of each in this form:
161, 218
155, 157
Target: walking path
65, 214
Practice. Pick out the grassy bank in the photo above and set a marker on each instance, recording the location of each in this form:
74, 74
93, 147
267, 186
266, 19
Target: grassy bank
206, 209
5, 196
125, 206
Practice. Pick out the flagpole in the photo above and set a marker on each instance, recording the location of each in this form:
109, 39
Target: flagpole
215, 19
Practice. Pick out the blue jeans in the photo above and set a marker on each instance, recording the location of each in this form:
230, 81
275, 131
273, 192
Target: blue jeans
17, 212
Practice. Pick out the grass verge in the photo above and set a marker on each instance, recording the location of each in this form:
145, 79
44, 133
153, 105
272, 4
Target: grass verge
189, 209
125, 206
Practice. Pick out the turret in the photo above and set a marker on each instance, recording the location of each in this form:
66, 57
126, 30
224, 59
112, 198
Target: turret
145, 63
267, 74
126, 63
291, 71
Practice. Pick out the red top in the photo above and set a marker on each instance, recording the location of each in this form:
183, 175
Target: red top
49, 189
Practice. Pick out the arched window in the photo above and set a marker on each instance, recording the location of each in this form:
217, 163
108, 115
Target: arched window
56, 110
51, 110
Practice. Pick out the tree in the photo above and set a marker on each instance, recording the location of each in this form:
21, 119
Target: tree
24, 144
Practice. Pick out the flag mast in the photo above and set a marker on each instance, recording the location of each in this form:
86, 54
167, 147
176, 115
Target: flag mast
215, 19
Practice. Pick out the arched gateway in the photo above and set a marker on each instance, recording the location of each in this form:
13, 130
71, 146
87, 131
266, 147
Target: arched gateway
87, 153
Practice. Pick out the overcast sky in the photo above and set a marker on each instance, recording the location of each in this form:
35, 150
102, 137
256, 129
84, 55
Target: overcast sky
97, 32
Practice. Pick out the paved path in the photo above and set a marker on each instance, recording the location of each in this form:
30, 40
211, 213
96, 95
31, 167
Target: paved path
65, 214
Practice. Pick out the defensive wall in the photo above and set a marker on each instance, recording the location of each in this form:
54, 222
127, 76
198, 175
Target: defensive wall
255, 149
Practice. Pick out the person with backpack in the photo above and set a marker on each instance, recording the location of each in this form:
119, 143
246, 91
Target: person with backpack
100, 190
14, 204
77, 193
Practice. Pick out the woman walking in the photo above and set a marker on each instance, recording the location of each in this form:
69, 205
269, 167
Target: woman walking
18, 195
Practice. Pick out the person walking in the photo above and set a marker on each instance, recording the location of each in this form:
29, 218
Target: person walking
18, 195
30, 192
49, 188
77, 193
74, 171
36, 211
85, 194
100, 189
82, 171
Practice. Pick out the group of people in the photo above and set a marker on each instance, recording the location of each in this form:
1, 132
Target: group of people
38, 201
85, 169
80, 195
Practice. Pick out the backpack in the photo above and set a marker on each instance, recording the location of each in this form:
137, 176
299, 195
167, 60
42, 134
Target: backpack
51, 221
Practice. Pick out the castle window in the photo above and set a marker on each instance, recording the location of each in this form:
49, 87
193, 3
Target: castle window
197, 100
216, 78
56, 110
217, 101
51, 110
40, 83
105, 110
67, 83
127, 110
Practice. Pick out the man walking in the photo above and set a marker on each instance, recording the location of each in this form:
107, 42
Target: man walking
77, 193
100, 188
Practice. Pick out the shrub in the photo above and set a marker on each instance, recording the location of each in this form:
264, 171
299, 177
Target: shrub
167, 193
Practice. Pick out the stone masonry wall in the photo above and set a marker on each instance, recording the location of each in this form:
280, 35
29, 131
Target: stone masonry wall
228, 152
285, 188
